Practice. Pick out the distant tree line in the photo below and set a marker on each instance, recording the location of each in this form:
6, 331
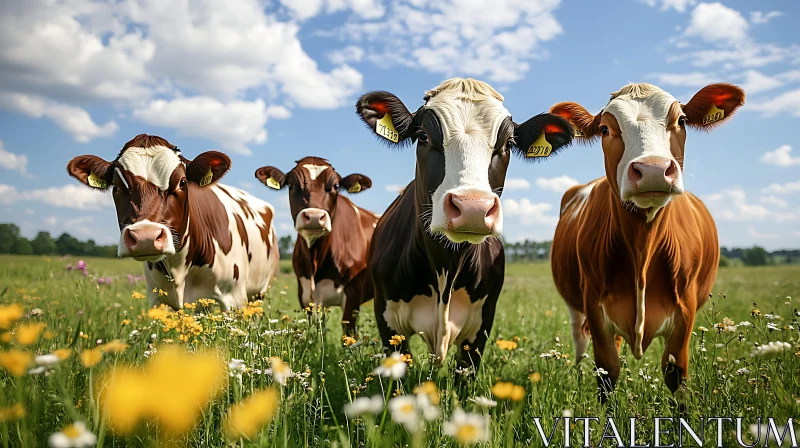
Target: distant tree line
12, 242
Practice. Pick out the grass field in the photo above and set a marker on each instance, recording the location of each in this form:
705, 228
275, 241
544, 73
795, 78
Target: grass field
81, 315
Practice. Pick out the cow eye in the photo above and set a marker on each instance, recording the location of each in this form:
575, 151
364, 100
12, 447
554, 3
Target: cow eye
335, 187
604, 130
510, 144
182, 183
422, 137
682, 121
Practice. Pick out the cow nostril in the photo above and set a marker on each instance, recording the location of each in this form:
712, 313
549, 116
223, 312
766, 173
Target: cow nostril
672, 171
130, 240
306, 218
634, 174
162, 236
494, 210
451, 208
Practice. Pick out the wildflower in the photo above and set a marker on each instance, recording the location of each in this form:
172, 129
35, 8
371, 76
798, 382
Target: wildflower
772, 327
703, 329
503, 390
15, 361
506, 345
91, 357
743, 371
114, 347
397, 339
467, 428
73, 436
404, 411
771, 349
772, 317
137, 295
567, 413
348, 341
125, 322
157, 313
36, 312
6, 337
279, 371
248, 417
728, 325
28, 334
12, 413
392, 366
755, 312
428, 388
535, 377
745, 323
52, 359
364, 406
236, 368
427, 398
483, 402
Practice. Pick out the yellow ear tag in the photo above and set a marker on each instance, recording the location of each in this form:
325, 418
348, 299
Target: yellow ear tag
385, 128
272, 183
96, 182
714, 114
207, 178
579, 133
540, 148
355, 188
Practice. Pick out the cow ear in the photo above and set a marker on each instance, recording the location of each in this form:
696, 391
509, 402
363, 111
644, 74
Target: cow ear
542, 136
208, 167
271, 177
355, 183
587, 126
386, 116
92, 171
713, 105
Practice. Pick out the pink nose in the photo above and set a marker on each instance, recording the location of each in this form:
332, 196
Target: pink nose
472, 213
653, 171
314, 219
149, 240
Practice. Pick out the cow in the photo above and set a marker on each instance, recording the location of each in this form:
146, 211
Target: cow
330, 254
436, 259
196, 237
635, 256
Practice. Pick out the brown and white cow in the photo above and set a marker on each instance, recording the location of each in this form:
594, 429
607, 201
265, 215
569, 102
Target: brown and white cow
436, 260
330, 255
198, 238
634, 256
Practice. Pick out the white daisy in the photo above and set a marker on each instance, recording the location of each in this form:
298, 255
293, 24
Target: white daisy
467, 428
483, 402
364, 406
73, 436
404, 411
393, 366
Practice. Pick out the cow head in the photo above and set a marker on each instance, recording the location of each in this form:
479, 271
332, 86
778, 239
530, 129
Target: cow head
643, 131
313, 191
464, 139
151, 183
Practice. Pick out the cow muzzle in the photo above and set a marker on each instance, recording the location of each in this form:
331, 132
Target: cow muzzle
146, 241
652, 181
312, 224
471, 215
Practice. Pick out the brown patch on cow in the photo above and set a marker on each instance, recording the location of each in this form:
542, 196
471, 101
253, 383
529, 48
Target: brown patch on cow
242, 232
236, 272
147, 141
265, 230
209, 224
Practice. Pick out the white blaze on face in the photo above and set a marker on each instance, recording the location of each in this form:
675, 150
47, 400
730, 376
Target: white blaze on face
470, 130
646, 134
315, 170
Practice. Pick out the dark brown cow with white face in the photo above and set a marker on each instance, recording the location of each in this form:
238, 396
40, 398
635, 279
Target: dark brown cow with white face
330, 255
198, 238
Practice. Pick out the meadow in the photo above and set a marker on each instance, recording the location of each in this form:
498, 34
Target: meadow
273, 375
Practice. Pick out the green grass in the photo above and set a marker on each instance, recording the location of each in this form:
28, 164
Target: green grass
311, 412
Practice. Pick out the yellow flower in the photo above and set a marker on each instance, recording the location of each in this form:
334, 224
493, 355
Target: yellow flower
90, 358
397, 339
63, 353
348, 341
248, 417
466, 428
535, 377
12, 413
125, 322
9, 314
548, 313
503, 390
28, 334
189, 306
49, 335
506, 345
428, 389
138, 295
114, 347
6, 337
15, 361
157, 313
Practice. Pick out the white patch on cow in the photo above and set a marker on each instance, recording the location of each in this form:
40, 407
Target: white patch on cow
470, 127
169, 247
312, 235
638, 329
306, 289
579, 338
315, 170
327, 294
154, 164
579, 200
642, 119
122, 178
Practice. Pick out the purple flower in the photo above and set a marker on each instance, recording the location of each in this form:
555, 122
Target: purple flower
105, 280
82, 265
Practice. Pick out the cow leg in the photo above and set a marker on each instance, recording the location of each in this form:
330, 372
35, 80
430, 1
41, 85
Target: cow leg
606, 356
579, 337
353, 293
675, 359
385, 331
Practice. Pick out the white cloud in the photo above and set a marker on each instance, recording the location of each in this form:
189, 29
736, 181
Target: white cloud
715, 22
557, 184
11, 161
785, 103
787, 188
529, 212
780, 157
516, 183
8, 194
755, 82
694, 79
278, 112
305, 9
70, 196
731, 204
74, 120
232, 124
761, 236
394, 188
761, 18
51, 220
774, 200
677, 5
350, 53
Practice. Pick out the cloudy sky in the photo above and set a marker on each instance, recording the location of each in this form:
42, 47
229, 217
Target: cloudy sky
270, 82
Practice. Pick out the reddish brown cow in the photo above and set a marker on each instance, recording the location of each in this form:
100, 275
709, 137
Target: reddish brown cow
633, 255
330, 255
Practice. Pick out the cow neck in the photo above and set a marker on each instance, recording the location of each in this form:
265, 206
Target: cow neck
345, 244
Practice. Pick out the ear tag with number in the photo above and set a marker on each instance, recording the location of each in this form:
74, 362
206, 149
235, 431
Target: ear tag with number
272, 183
385, 128
96, 182
355, 188
207, 178
540, 148
714, 114
579, 133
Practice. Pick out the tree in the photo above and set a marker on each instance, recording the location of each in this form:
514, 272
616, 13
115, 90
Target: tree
724, 261
43, 244
22, 246
285, 244
9, 234
69, 245
756, 256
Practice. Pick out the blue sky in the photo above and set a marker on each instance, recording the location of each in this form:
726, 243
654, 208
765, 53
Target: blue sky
271, 82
